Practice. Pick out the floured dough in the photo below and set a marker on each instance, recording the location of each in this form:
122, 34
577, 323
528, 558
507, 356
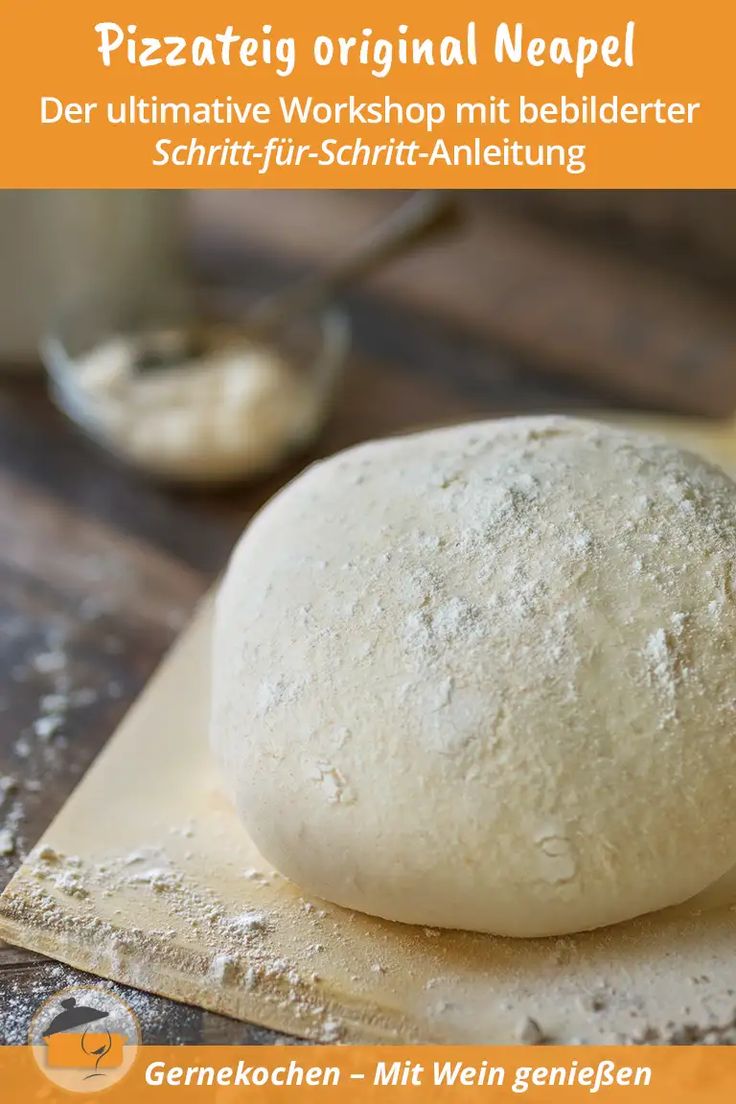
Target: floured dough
483, 677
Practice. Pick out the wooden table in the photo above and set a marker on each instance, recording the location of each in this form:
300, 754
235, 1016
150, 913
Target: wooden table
99, 569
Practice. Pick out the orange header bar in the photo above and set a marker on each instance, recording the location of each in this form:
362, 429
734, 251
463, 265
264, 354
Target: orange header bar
277, 94
653, 1075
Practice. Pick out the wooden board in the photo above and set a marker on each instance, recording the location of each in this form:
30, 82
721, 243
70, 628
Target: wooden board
146, 877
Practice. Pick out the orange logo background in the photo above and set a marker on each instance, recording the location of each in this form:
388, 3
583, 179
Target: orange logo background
83, 1039
90, 1051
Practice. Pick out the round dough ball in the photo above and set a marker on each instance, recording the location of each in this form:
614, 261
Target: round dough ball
483, 677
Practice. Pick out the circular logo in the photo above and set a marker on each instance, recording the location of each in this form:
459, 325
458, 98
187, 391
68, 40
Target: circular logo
84, 1039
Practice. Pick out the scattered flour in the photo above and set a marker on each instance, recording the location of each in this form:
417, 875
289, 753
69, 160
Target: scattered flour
235, 950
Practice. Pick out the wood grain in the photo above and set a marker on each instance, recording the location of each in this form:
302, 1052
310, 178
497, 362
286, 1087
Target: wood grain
564, 306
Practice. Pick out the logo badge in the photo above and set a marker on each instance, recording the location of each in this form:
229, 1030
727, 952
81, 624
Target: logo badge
84, 1039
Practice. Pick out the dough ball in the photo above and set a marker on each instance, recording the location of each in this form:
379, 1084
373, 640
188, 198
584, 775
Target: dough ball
483, 677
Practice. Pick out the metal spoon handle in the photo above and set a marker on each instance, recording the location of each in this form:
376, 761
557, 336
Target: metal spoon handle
425, 215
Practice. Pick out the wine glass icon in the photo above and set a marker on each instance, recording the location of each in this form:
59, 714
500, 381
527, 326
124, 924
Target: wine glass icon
98, 1052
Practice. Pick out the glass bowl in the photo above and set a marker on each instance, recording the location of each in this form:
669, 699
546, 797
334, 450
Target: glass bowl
236, 411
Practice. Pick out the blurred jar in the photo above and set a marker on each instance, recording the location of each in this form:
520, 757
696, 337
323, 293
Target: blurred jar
56, 247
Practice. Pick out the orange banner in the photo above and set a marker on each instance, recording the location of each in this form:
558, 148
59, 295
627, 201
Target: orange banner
655, 1075
156, 93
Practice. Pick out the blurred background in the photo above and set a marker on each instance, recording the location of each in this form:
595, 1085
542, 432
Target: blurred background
526, 302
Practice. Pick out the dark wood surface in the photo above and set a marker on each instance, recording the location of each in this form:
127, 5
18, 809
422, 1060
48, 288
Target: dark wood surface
105, 568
